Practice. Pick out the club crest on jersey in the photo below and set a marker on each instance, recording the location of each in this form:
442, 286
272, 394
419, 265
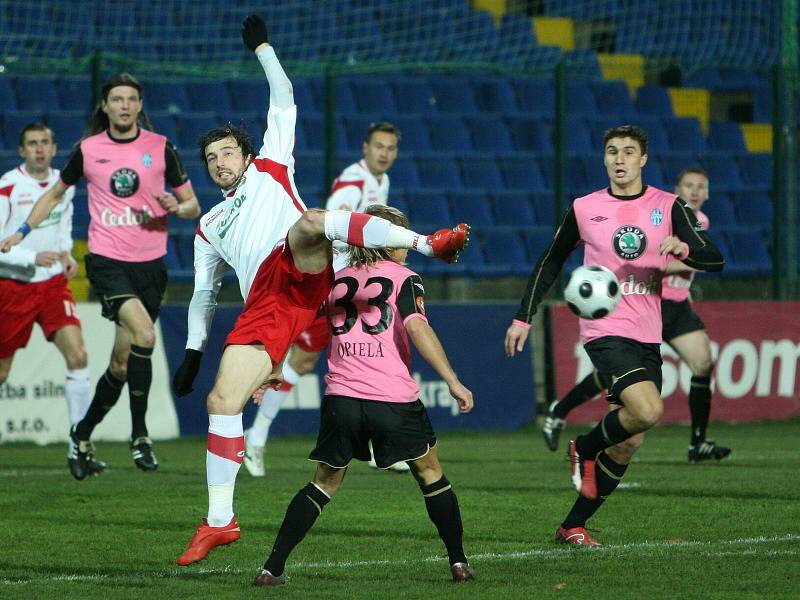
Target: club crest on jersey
656, 216
147, 160
629, 242
124, 182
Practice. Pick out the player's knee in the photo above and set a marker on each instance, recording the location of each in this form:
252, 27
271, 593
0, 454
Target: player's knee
648, 413
623, 452
328, 478
145, 337
701, 367
76, 358
119, 366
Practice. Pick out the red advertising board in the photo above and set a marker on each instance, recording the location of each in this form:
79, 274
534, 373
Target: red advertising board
757, 350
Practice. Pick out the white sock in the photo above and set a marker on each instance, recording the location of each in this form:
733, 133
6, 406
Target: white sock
223, 458
359, 229
78, 392
270, 406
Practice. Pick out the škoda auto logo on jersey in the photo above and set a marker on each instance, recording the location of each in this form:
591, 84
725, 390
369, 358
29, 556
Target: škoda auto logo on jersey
756, 347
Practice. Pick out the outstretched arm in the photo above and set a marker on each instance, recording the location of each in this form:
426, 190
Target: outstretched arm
254, 35
430, 348
43, 207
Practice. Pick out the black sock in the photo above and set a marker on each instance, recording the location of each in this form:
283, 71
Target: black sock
608, 432
608, 473
442, 505
140, 375
303, 511
106, 394
587, 389
700, 407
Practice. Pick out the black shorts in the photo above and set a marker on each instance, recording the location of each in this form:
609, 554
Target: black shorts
679, 318
399, 431
621, 362
115, 281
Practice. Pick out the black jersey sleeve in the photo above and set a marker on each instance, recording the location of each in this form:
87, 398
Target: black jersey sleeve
703, 254
176, 174
549, 265
73, 170
411, 298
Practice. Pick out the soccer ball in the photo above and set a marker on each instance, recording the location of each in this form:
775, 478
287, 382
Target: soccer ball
592, 292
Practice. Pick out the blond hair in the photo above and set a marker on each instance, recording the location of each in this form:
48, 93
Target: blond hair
362, 257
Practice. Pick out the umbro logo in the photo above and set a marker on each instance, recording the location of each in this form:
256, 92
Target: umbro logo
599, 219
103, 161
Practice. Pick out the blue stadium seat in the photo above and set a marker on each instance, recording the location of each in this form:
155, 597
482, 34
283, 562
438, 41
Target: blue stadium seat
723, 173
68, 126
374, 95
471, 207
313, 128
719, 210
304, 96
164, 123
249, 95
191, 125
596, 176
415, 137
542, 204
726, 136
762, 104
428, 209
756, 170
521, 172
580, 101
751, 208
653, 175
404, 174
37, 93
80, 214
454, 95
481, 173
309, 171
537, 240
414, 95
749, 253
356, 127
345, 99
166, 95
654, 100
449, 133
489, 134
671, 166
495, 94
208, 96
505, 252
530, 135
513, 208
613, 98
657, 137
578, 140
536, 96
14, 121
74, 93
439, 171
685, 135
8, 99
582, 64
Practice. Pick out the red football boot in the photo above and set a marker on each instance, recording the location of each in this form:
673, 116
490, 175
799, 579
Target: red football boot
206, 538
575, 535
583, 476
448, 243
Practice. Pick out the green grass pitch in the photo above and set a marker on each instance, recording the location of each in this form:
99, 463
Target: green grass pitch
675, 530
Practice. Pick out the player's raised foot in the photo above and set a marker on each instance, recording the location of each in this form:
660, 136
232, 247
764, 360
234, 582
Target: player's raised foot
80, 457
267, 579
552, 427
583, 473
142, 454
254, 460
462, 572
448, 243
575, 535
206, 538
707, 451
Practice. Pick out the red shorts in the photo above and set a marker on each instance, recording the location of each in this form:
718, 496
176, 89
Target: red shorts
316, 337
281, 304
48, 303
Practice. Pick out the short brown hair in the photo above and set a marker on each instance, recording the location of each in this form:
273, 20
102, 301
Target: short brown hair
691, 170
384, 127
363, 257
630, 131
35, 126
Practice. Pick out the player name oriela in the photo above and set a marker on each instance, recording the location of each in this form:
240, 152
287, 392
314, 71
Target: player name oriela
363, 349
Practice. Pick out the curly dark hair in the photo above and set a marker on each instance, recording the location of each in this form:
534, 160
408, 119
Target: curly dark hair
244, 139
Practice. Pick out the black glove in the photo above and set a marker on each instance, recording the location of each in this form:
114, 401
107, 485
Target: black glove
184, 376
254, 32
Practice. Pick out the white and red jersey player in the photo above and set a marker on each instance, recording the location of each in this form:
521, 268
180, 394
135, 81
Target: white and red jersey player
355, 190
247, 232
19, 191
31, 293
